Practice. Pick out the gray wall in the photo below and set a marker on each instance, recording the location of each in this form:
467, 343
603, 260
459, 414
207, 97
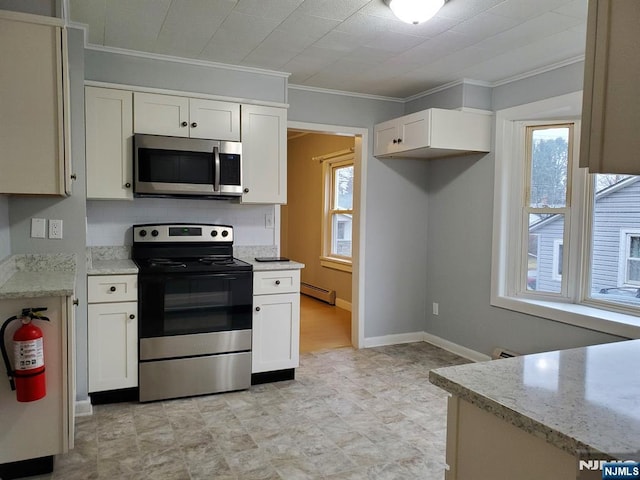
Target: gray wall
5, 238
149, 72
37, 7
460, 216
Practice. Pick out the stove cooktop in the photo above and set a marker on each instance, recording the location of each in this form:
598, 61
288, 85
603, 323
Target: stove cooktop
189, 264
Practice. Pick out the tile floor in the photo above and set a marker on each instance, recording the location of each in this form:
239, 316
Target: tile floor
350, 414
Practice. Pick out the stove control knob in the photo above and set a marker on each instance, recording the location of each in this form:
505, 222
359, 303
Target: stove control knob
143, 233
214, 233
225, 233
154, 233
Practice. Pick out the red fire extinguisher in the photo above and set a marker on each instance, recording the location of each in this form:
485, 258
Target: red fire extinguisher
28, 378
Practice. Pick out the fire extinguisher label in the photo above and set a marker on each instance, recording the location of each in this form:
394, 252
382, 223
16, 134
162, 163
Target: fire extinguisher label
28, 354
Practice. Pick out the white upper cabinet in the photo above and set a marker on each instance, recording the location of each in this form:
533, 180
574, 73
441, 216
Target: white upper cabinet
34, 132
433, 133
264, 154
185, 117
109, 143
609, 140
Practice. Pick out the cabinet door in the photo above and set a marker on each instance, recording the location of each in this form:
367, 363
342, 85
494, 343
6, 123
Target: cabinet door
214, 120
385, 137
109, 137
276, 332
264, 154
413, 131
112, 346
24, 424
160, 114
609, 142
33, 156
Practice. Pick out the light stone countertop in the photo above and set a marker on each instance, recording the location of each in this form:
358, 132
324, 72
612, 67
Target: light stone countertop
269, 266
118, 266
116, 260
585, 401
38, 275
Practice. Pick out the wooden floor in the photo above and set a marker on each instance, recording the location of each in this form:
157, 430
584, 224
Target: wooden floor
323, 326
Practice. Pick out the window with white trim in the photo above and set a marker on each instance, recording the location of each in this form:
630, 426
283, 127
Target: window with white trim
629, 265
566, 243
338, 212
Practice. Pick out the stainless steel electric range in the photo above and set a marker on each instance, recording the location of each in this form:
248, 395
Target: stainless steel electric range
194, 311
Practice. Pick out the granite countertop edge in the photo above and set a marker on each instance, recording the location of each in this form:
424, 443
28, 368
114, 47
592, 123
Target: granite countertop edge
38, 275
268, 266
545, 432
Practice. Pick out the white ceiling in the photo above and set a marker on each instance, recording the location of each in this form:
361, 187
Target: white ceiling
349, 45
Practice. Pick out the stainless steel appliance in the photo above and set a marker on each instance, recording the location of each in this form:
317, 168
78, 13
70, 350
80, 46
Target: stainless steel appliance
175, 166
194, 311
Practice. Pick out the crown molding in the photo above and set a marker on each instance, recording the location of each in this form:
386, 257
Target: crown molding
346, 93
538, 71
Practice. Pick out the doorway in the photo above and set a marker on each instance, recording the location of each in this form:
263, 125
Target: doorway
309, 146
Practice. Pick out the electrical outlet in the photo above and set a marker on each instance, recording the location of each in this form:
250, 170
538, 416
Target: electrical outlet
55, 229
38, 227
436, 308
268, 220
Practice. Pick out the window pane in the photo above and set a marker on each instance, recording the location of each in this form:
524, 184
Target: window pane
615, 242
341, 235
549, 167
544, 260
343, 185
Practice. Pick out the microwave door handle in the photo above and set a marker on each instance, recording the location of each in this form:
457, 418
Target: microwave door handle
216, 169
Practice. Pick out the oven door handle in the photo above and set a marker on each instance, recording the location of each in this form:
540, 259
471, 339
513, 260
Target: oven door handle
216, 169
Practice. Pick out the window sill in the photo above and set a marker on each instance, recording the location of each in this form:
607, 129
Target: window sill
605, 321
336, 264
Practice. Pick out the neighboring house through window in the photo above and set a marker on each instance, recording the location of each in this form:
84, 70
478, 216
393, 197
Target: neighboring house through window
337, 223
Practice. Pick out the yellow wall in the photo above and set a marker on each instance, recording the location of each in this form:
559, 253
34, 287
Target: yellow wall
301, 218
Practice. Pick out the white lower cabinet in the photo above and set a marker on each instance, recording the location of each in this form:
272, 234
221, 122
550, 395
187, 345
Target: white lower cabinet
112, 332
45, 427
276, 320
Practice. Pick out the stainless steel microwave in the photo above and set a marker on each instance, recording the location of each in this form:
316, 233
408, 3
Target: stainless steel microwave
193, 167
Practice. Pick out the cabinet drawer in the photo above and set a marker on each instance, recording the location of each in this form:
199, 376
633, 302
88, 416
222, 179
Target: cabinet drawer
112, 288
277, 281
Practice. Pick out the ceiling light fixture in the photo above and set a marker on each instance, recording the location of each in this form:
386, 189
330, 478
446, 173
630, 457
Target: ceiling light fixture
415, 11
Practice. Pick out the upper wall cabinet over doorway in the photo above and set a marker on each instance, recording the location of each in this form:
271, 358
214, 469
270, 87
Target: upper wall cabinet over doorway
433, 133
185, 117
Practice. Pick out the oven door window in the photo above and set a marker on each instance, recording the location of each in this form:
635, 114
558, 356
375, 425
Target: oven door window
188, 304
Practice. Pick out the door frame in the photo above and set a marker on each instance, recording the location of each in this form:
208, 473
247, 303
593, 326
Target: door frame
361, 145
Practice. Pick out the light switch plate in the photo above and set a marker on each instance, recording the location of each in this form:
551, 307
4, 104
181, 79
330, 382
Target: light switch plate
38, 227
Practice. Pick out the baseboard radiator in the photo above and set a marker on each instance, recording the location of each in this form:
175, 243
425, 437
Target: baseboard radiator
328, 296
500, 352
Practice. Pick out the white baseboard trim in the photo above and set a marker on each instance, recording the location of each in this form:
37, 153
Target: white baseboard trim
340, 303
393, 339
84, 408
429, 338
455, 348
